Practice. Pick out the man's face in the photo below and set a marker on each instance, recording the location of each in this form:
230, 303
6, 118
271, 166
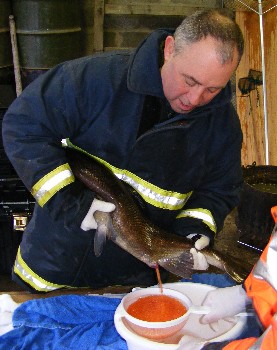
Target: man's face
195, 76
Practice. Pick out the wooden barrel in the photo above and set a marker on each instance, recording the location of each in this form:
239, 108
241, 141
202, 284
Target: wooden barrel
258, 196
6, 61
48, 32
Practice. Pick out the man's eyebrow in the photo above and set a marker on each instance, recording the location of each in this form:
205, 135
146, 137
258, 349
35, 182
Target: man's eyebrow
193, 79
198, 82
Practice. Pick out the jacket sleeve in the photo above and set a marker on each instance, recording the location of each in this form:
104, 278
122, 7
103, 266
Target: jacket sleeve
34, 125
218, 192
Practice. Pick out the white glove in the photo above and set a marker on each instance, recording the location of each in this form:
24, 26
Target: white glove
7, 307
189, 342
225, 302
89, 222
201, 242
199, 260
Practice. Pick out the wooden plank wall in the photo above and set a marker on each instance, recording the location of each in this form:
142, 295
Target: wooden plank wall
120, 24
250, 109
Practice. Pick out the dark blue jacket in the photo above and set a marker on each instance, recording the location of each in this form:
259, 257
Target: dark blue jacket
97, 103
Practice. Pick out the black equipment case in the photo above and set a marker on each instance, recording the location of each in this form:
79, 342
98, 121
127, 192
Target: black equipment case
16, 207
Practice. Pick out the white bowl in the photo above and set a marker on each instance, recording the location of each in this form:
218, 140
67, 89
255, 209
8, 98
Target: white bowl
153, 330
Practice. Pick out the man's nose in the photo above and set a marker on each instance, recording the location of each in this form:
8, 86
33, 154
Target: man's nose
196, 95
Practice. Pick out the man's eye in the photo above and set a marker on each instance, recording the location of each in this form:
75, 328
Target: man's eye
190, 82
213, 90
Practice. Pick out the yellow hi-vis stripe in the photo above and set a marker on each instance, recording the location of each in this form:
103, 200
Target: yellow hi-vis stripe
201, 214
51, 183
152, 194
31, 278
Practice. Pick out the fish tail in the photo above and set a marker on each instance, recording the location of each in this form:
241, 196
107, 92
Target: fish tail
181, 265
228, 264
236, 271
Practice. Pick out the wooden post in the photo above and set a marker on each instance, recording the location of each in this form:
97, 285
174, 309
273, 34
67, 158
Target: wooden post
98, 28
17, 75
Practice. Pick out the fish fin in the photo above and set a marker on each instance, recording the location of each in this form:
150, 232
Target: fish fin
181, 265
100, 239
103, 231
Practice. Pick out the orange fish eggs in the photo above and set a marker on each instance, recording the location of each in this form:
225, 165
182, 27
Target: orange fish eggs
156, 308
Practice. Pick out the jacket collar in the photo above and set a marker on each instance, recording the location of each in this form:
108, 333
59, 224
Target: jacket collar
144, 75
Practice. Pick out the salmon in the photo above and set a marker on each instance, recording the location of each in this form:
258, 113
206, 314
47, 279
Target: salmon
127, 227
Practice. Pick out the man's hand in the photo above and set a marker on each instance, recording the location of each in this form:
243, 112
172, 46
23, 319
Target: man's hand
89, 222
200, 241
199, 260
189, 342
225, 302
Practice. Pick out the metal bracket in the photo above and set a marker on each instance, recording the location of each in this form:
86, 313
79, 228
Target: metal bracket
20, 221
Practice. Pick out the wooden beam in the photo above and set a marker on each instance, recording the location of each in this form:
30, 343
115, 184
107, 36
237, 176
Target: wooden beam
98, 25
151, 9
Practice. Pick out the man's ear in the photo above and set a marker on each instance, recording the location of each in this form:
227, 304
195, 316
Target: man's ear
168, 47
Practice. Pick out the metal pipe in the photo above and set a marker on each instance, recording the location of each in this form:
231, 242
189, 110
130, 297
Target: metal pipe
264, 83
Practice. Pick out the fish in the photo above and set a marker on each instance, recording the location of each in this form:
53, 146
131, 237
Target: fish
130, 229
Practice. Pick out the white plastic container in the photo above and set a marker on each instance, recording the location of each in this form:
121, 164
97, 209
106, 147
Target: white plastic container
196, 293
153, 330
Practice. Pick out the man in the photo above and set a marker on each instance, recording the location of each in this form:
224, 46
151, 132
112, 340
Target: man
260, 290
160, 117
